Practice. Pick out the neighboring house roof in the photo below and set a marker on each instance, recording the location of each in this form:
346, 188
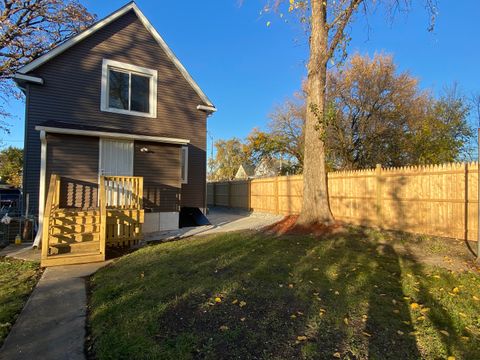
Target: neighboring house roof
270, 167
58, 127
244, 172
21, 74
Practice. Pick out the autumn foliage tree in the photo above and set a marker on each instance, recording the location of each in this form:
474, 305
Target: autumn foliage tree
28, 29
11, 165
328, 22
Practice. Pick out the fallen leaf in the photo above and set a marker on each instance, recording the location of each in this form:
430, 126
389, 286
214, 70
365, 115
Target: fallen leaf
345, 320
396, 311
293, 316
234, 301
451, 358
414, 306
445, 332
366, 334
301, 338
242, 319
455, 290
399, 332
242, 303
337, 293
421, 318
475, 298
218, 300
336, 355
290, 286
223, 328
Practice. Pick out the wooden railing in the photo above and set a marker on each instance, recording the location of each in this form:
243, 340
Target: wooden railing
53, 201
123, 209
117, 222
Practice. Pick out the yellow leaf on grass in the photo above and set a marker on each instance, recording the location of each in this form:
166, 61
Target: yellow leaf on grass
366, 334
218, 300
223, 328
336, 355
242, 303
293, 316
242, 319
399, 332
234, 302
475, 298
451, 358
445, 332
301, 338
421, 318
396, 311
345, 321
414, 306
455, 290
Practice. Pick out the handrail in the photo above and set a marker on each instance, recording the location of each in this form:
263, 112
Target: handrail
123, 192
103, 216
53, 200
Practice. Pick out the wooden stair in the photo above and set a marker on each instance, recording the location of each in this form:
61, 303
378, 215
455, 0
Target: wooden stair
78, 236
73, 237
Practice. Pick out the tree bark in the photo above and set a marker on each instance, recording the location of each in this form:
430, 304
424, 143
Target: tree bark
316, 208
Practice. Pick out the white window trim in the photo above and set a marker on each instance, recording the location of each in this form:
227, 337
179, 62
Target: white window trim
185, 165
153, 74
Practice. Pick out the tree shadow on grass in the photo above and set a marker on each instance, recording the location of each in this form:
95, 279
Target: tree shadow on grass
285, 297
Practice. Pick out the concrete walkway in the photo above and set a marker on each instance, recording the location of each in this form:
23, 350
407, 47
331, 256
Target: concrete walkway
52, 323
222, 220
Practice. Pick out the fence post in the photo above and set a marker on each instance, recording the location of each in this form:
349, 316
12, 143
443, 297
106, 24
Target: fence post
229, 194
277, 200
378, 202
249, 194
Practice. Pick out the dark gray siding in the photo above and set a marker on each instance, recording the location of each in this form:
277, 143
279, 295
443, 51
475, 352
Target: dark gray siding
71, 94
75, 159
160, 168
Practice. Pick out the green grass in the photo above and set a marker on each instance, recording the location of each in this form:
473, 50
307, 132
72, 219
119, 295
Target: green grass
346, 295
17, 280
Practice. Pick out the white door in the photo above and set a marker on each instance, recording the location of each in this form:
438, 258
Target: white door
116, 157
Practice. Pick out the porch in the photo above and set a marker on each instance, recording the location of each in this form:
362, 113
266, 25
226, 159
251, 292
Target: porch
77, 236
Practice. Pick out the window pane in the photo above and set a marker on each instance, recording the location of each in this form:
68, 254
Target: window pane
118, 90
140, 93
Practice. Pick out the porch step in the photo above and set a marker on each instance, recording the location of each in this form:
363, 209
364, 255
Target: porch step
76, 220
87, 247
60, 229
75, 237
72, 259
73, 212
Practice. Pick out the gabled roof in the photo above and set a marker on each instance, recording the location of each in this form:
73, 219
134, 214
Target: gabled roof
104, 22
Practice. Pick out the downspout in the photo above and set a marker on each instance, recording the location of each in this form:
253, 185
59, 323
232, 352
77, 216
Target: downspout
41, 194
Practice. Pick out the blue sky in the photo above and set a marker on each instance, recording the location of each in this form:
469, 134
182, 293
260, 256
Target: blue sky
246, 68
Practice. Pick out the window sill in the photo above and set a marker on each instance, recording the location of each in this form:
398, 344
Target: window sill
127, 112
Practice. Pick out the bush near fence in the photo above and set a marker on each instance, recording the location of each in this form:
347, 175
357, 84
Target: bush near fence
440, 200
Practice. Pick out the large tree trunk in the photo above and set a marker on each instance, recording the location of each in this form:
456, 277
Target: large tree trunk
316, 208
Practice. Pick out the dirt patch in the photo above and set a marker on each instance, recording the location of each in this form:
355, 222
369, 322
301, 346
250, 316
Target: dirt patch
289, 226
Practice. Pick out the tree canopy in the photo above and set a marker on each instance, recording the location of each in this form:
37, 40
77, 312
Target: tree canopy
28, 30
11, 166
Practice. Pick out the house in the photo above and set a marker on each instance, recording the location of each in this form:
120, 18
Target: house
268, 167
244, 172
114, 101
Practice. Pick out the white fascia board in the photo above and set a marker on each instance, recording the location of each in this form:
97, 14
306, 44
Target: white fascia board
84, 34
112, 135
207, 108
28, 78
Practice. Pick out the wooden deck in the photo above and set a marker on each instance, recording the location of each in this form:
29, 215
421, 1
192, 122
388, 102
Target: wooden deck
77, 236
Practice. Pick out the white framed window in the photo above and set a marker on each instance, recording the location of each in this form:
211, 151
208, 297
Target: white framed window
184, 165
128, 89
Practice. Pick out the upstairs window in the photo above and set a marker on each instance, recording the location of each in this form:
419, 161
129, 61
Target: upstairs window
128, 89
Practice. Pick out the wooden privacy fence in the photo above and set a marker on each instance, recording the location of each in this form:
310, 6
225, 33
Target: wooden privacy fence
436, 200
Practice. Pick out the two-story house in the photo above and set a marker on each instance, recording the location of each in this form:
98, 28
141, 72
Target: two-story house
115, 100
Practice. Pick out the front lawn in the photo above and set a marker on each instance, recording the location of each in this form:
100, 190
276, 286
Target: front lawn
17, 280
246, 295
